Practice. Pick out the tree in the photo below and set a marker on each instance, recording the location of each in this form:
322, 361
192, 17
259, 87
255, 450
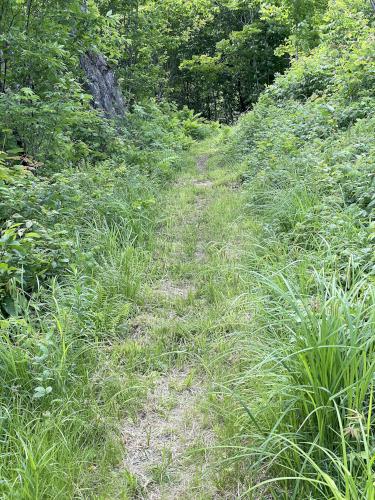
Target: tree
303, 19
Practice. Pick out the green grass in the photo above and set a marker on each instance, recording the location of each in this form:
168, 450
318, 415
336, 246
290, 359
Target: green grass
296, 407
284, 353
62, 397
315, 374
72, 368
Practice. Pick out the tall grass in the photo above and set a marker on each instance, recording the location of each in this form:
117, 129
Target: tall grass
323, 436
302, 408
60, 397
61, 394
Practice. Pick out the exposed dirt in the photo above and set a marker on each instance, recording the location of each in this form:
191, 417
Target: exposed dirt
139, 326
202, 163
203, 184
156, 442
200, 253
173, 291
201, 167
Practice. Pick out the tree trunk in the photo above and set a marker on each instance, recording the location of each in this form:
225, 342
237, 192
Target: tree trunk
28, 14
243, 106
101, 81
102, 84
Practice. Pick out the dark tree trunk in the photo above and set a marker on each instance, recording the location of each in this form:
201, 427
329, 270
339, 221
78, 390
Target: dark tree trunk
243, 106
28, 14
101, 81
102, 84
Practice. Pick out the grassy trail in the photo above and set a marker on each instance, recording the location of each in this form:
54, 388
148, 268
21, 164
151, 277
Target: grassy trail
183, 338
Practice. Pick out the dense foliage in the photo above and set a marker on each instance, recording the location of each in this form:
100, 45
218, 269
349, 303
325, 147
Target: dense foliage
79, 195
194, 52
78, 198
309, 157
215, 57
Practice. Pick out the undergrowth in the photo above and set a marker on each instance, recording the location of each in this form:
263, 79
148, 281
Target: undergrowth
305, 425
281, 315
75, 245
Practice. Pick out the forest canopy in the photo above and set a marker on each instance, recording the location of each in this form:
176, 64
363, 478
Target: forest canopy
213, 56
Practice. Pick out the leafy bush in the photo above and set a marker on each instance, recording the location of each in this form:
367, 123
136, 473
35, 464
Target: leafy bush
42, 210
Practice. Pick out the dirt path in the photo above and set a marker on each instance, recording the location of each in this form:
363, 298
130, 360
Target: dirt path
167, 426
157, 440
169, 443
